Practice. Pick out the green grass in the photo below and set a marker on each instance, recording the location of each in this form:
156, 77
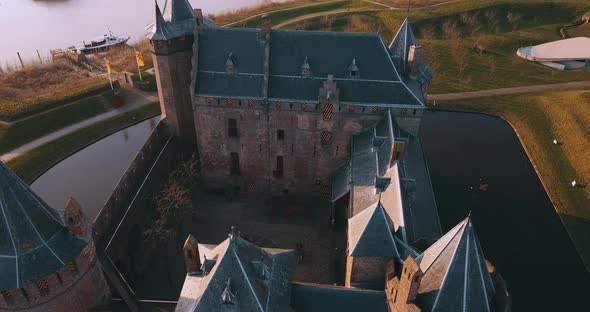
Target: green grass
498, 66
10, 110
538, 118
27, 130
31, 164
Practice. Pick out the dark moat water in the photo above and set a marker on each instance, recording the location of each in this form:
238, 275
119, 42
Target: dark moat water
519, 230
91, 174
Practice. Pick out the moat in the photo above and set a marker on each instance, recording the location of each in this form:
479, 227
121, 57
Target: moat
519, 230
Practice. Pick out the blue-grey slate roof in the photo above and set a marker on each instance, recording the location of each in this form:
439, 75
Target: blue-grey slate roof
230, 85
328, 53
33, 240
376, 238
400, 45
313, 297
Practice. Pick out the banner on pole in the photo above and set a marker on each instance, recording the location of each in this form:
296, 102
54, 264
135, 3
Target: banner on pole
139, 59
108, 66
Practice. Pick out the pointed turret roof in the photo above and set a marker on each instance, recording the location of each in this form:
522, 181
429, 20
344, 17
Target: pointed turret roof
159, 29
400, 45
34, 242
455, 273
369, 234
178, 10
260, 278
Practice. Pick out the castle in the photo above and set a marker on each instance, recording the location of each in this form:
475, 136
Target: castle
322, 116
318, 116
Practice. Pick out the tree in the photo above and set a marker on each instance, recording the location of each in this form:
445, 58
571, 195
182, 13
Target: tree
513, 19
173, 206
428, 32
328, 22
450, 29
492, 17
472, 22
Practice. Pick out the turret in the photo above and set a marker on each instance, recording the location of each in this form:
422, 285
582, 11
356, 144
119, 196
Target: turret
75, 219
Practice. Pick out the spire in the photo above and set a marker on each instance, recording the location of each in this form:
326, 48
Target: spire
455, 272
306, 68
34, 242
400, 45
178, 10
159, 30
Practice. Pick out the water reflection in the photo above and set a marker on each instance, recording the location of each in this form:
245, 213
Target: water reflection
45, 25
91, 174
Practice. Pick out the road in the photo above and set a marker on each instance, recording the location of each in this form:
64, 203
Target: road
134, 99
507, 91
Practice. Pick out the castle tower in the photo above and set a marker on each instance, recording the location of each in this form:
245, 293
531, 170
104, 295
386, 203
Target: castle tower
402, 291
172, 39
44, 264
75, 219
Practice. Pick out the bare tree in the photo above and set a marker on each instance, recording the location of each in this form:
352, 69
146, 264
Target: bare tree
492, 17
450, 29
428, 32
173, 206
513, 19
472, 22
328, 22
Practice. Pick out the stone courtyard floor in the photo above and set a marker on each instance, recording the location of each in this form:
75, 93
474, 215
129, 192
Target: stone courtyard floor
275, 223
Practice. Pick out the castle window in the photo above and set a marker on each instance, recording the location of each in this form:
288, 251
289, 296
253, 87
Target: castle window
353, 69
305, 68
59, 279
280, 134
25, 294
230, 64
326, 137
235, 164
232, 128
279, 171
414, 112
328, 110
43, 287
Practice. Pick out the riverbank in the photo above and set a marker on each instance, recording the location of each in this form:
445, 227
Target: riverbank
538, 119
32, 164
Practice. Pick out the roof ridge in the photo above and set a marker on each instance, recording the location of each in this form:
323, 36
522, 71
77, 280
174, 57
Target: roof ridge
328, 33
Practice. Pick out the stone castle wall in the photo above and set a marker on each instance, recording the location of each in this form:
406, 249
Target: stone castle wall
114, 209
78, 286
312, 147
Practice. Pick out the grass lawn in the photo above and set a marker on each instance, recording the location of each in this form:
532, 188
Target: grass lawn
27, 130
538, 118
450, 33
31, 164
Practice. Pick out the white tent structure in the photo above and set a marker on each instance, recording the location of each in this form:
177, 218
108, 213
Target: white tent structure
567, 54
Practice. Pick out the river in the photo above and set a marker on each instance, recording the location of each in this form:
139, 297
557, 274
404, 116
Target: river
28, 25
91, 174
518, 227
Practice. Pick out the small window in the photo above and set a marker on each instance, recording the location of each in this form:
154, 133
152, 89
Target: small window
235, 164
280, 134
7, 296
232, 128
414, 112
397, 155
279, 171
326, 137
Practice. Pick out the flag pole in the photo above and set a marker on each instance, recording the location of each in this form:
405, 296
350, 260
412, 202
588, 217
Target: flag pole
138, 68
108, 63
111, 81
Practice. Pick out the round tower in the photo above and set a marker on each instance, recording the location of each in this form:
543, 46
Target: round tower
44, 264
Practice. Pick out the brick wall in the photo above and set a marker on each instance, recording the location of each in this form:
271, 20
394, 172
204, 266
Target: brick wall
72, 288
308, 157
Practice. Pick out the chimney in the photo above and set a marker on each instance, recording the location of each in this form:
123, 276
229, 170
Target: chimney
192, 259
415, 60
198, 20
265, 26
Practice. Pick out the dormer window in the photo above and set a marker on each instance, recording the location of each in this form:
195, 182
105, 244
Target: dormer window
227, 297
353, 69
306, 68
230, 64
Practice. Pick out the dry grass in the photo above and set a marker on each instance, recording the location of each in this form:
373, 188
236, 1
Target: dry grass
123, 57
245, 12
413, 3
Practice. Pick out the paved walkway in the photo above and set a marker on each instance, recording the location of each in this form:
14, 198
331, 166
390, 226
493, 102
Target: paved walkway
507, 91
134, 99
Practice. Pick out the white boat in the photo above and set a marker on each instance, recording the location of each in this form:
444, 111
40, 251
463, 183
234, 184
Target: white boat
103, 43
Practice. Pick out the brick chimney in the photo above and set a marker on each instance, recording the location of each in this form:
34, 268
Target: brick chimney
192, 259
415, 60
265, 26
198, 20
